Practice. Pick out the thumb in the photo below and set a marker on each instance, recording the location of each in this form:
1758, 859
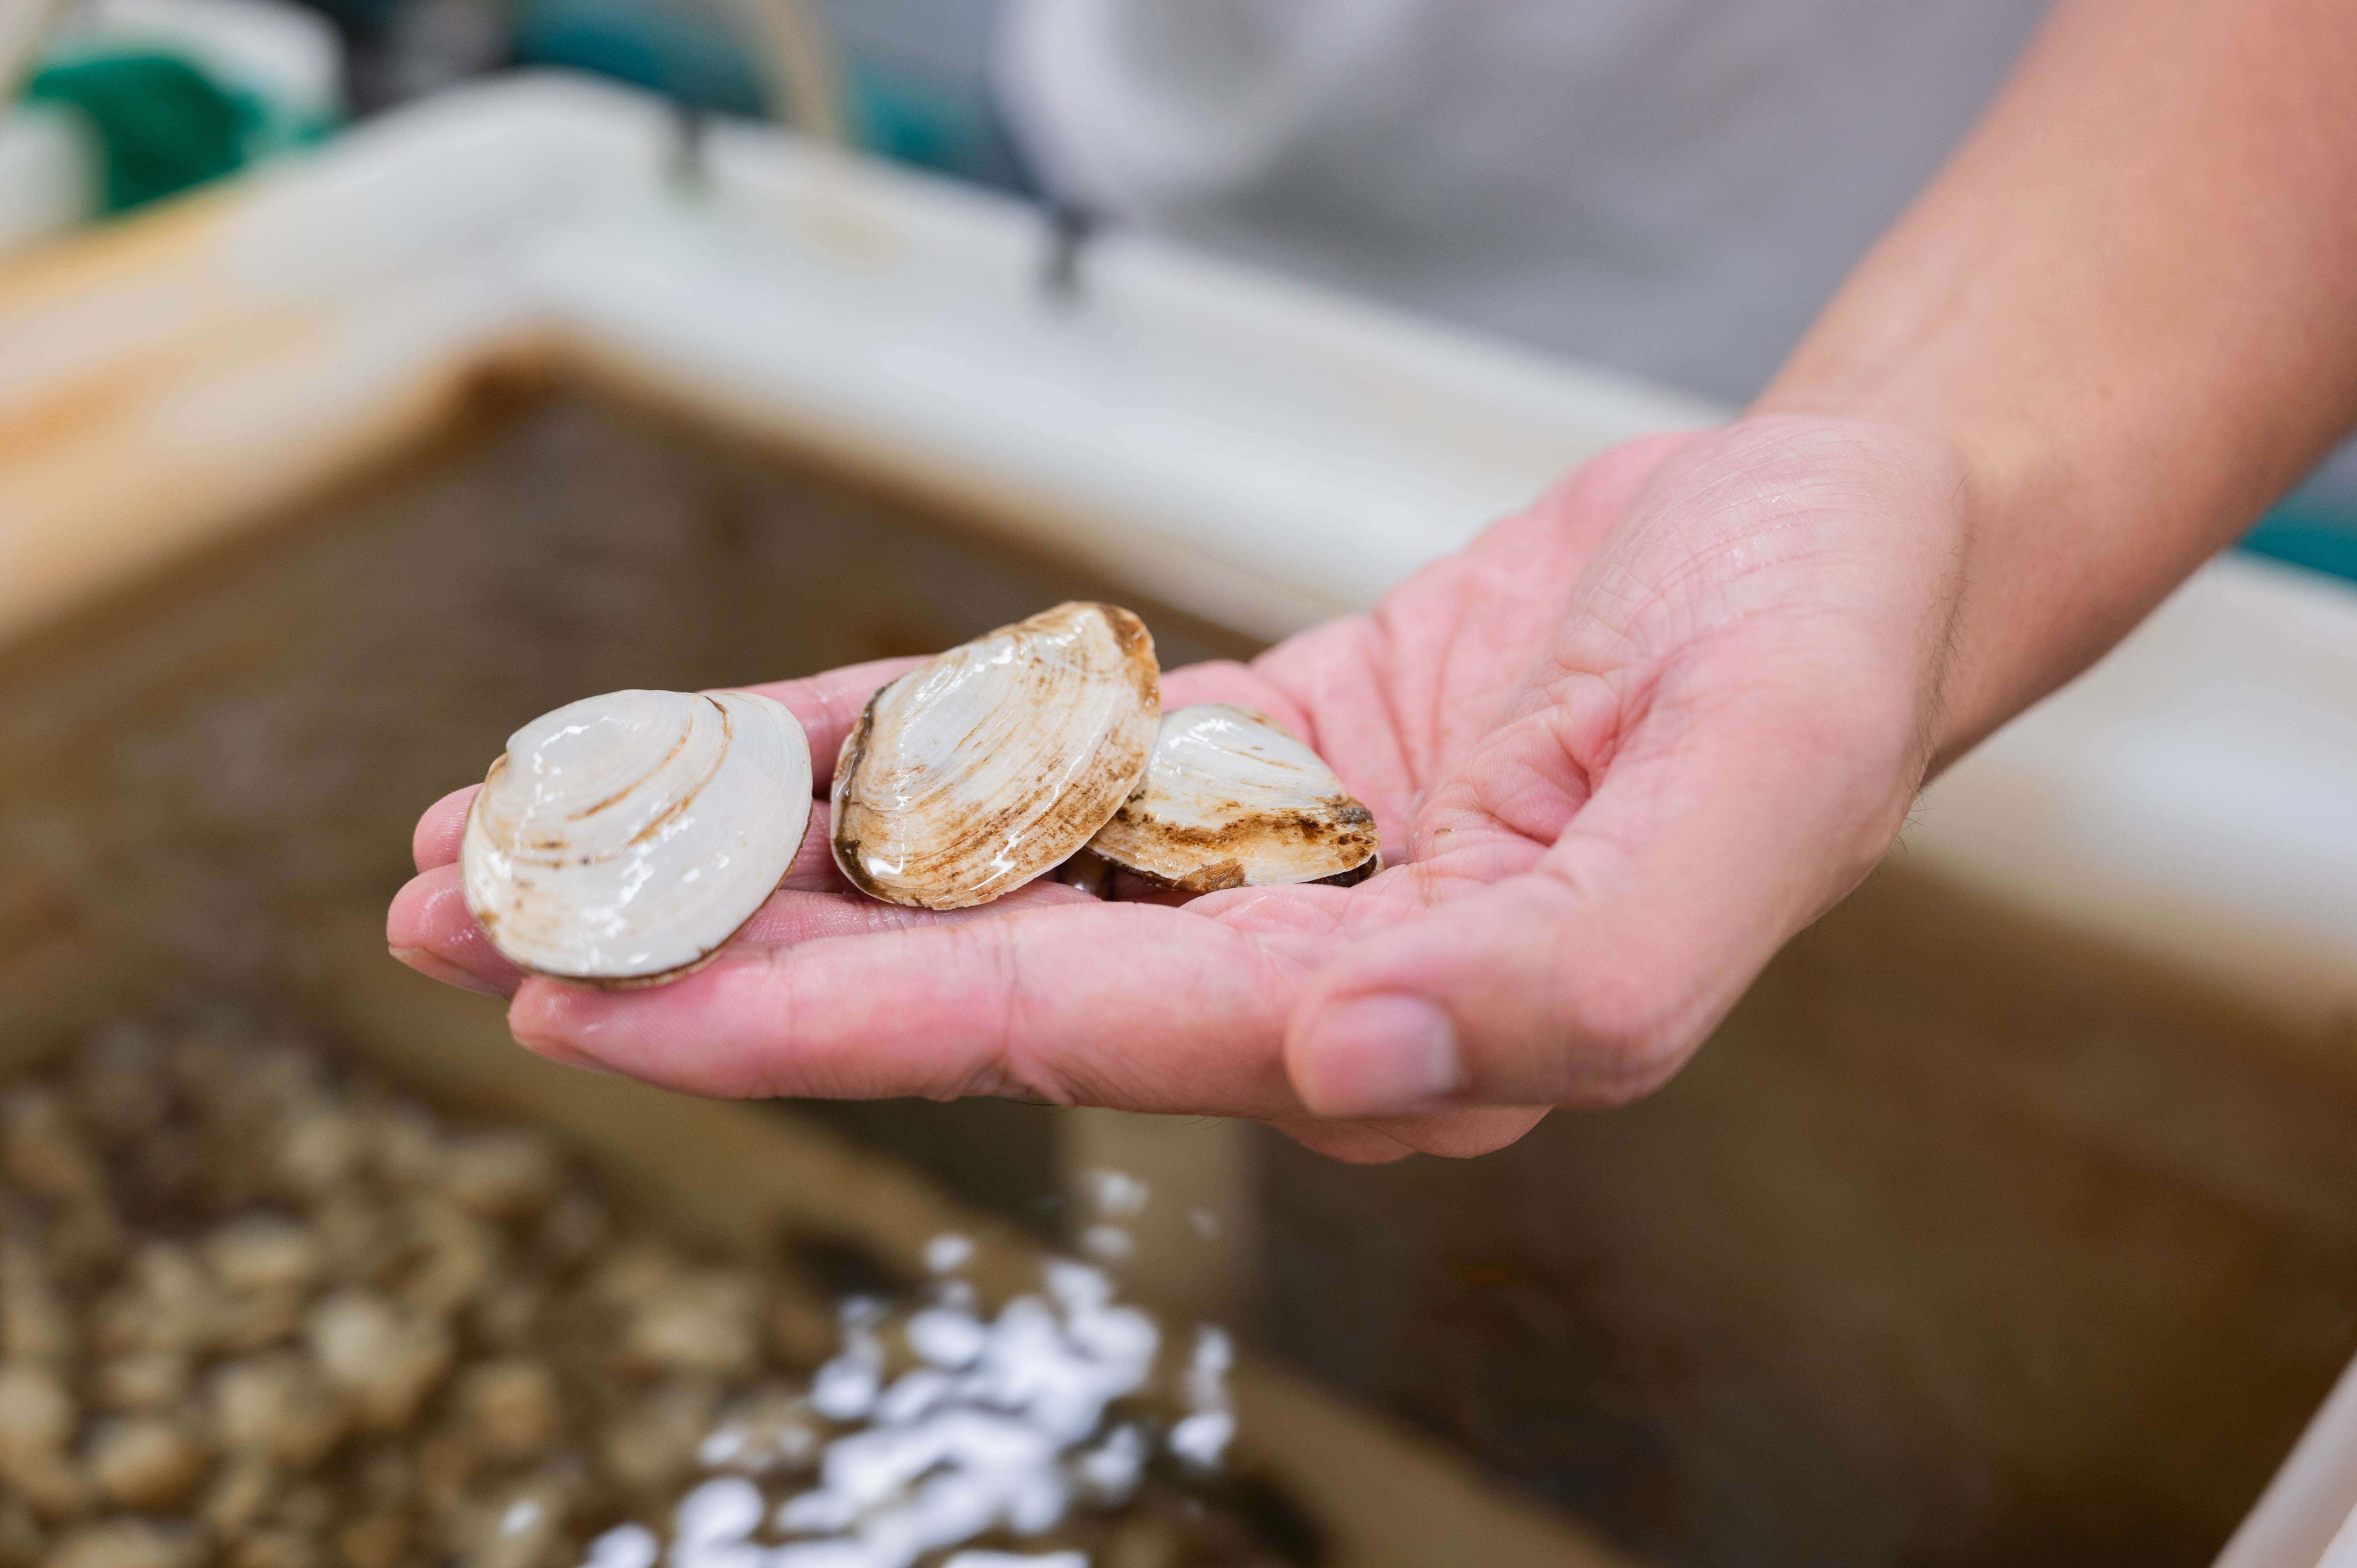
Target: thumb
1590, 976
1615, 863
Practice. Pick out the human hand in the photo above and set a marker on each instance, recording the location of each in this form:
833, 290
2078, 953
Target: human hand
1620, 750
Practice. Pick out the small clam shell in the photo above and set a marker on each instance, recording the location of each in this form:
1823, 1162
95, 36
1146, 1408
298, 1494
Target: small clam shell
972, 774
623, 839
1233, 799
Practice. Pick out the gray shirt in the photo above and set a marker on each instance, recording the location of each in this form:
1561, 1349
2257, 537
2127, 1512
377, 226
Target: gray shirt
1669, 186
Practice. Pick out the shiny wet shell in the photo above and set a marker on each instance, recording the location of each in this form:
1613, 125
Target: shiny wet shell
1231, 798
623, 838
987, 765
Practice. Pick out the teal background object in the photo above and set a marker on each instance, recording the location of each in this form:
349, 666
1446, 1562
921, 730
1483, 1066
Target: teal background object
684, 56
2311, 526
898, 101
164, 124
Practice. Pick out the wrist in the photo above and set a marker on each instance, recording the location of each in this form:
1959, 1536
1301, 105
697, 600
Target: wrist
2066, 531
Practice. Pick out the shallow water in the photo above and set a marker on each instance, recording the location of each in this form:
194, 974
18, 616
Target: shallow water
1963, 1243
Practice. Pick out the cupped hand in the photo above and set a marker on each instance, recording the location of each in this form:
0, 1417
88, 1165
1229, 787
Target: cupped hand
1620, 750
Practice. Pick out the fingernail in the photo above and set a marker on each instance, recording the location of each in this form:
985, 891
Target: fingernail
564, 1055
1375, 1056
435, 967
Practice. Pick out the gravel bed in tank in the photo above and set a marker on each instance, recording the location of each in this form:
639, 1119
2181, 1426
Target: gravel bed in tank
259, 1309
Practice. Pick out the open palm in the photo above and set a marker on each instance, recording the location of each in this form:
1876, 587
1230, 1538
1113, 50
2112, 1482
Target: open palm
1620, 750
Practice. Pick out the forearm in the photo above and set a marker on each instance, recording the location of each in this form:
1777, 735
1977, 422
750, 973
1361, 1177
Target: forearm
2130, 305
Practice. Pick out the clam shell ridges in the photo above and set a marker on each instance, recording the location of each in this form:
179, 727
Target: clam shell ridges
1231, 798
624, 837
975, 772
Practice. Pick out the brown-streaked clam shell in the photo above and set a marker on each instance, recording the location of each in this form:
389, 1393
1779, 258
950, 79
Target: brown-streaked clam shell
1231, 798
982, 769
623, 838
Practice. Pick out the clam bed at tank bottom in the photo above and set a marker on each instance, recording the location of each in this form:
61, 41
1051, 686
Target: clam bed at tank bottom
259, 1310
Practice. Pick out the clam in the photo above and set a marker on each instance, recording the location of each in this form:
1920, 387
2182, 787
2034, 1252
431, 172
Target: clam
623, 839
1231, 798
988, 765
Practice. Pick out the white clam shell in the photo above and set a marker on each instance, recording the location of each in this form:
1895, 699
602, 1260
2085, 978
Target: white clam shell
1231, 798
624, 838
975, 772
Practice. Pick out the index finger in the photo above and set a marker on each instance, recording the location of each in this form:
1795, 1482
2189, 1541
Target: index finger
436, 840
1127, 1004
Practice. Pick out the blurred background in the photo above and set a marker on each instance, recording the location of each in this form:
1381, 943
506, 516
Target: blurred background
170, 94
376, 374
126, 101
